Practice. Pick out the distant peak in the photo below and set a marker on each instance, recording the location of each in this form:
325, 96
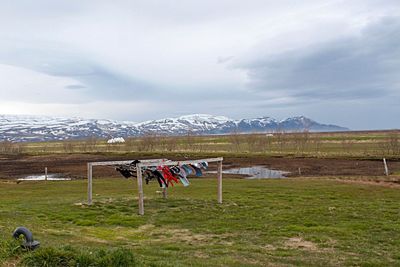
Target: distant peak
297, 118
203, 117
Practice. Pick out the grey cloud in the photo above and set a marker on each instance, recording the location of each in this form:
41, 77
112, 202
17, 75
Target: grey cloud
100, 82
75, 87
349, 68
221, 60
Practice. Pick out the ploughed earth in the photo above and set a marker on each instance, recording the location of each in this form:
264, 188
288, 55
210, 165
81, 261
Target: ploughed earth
75, 166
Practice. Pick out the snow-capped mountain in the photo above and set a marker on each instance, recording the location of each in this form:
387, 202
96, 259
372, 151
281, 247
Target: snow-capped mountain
38, 128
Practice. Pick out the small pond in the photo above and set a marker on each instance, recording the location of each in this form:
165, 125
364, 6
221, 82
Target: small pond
50, 177
256, 172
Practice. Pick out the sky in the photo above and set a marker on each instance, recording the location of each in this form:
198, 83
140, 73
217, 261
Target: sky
334, 61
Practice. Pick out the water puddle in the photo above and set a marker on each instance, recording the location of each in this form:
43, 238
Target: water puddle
50, 177
256, 172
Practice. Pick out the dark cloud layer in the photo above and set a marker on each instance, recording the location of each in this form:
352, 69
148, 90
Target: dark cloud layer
362, 66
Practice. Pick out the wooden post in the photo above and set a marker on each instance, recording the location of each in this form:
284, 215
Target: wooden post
45, 173
165, 193
299, 171
219, 173
386, 167
140, 189
90, 173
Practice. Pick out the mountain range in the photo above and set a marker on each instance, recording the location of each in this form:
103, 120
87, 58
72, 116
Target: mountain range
19, 128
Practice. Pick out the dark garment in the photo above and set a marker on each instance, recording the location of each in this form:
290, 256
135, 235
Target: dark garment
160, 178
125, 172
204, 165
174, 170
148, 175
197, 170
128, 170
135, 162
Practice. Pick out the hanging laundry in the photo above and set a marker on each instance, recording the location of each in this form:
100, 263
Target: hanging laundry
124, 171
197, 170
204, 165
192, 168
187, 169
174, 170
128, 170
148, 175
168, 175
180, 174
160, 178
183, 177
164, 175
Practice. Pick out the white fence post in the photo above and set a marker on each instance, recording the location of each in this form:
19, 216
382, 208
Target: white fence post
140, 188
90, 178
220, 181
386, 167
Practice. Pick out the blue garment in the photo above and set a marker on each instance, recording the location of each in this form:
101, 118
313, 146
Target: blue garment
198, 170
187, 169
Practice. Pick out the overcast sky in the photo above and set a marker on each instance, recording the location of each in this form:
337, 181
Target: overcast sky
333, 61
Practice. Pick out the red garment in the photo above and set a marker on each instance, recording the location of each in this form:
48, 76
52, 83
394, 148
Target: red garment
168, 175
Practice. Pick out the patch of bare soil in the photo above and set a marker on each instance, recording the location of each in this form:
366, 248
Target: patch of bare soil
300, 243
392, 182
162, 234
11, 263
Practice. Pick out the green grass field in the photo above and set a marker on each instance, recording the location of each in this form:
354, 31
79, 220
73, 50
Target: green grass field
271, 222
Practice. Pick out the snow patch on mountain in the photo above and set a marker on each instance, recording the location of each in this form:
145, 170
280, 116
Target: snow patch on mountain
43, 128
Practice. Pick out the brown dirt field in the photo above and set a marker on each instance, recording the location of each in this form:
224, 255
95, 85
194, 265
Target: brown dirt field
74, 165
318, 166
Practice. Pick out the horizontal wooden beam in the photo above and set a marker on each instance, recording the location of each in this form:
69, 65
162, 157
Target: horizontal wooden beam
154, 162
171, 163
122, 162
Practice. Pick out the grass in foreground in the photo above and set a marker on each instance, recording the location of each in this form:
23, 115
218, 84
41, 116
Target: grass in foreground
261, 222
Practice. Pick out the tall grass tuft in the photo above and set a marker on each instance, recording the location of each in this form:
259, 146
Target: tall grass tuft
9, 249
68, 256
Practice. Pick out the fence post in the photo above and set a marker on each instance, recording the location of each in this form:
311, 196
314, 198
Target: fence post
90, 178
219, 173
386, 167
140, 188
165, 193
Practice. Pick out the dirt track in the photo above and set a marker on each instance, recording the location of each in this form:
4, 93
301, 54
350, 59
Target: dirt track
75, 165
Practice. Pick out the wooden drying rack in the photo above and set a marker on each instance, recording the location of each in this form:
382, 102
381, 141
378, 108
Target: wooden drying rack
151, 163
